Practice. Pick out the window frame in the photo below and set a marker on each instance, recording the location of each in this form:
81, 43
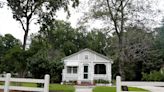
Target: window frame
73, 69
98, 69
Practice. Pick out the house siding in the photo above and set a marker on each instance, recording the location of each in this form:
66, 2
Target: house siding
91, 61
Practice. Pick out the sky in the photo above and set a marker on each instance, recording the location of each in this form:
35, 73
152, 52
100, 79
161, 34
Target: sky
9, 25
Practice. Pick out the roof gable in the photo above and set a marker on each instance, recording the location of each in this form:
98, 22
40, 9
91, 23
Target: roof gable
100, 55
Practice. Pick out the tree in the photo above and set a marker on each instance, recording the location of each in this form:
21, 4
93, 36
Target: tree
141, 55
10, 54
137, 50
98, 41
58, 40
117, 15
160, 38
24, 11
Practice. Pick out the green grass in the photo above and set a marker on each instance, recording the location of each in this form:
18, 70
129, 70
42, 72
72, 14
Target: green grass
65, 88
113, 89
104, 89
56, 87
136, 89
22, 84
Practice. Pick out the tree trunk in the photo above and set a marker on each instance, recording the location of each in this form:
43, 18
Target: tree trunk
24, 40
120, 57
121, 45
26, 32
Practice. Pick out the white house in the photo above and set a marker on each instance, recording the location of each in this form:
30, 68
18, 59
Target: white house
86, 66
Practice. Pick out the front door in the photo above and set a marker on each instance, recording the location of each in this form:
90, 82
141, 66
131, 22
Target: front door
85, 76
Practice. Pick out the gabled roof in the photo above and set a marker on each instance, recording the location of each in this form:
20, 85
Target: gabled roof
86, 49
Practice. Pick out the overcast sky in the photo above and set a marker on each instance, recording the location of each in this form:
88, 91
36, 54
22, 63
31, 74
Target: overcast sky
9, 25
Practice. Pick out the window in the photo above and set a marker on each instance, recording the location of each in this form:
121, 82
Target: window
100, 69
68, 69
72, 69
85, 69
85, 76
86, 56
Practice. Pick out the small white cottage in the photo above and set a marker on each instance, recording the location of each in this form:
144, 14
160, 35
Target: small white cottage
86, 66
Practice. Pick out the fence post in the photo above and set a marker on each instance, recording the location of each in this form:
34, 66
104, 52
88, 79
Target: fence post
7, 82
46, 83
118, 84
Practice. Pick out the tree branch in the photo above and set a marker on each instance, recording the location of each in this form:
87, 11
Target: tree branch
23, 27
26, 8
112, 17
125, 4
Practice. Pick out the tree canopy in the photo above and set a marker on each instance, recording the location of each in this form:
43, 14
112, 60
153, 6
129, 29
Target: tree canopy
25, 11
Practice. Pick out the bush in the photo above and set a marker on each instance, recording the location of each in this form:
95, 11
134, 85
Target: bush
153, 76
70, 82
101, 81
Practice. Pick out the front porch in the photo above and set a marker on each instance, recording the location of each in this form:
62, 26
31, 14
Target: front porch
87, 73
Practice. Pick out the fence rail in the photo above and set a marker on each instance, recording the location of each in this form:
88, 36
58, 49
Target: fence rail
8, 79
119, 83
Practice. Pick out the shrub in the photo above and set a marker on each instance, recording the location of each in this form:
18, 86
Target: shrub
101, 81
70, 82
153, 76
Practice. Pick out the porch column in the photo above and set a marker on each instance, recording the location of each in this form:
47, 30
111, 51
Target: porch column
109, 72
64, 71
92, 72
79, 73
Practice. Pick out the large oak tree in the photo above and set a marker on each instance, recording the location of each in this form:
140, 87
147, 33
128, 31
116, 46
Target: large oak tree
24, 11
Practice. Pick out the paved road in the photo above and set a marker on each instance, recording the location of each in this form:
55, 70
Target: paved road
152, 89
89, 88
83, 88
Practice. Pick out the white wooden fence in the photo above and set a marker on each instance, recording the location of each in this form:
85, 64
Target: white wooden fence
7, 79
119, 83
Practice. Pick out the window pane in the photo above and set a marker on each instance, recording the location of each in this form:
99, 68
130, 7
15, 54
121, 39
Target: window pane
86, 56
86, 69
74, 69
85, 76
69, 69
100, 69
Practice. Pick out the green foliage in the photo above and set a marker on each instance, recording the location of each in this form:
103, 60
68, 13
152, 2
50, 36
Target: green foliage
153, 76
38, 65
140, 54
57, 41
45, 10
159, 42
12, 57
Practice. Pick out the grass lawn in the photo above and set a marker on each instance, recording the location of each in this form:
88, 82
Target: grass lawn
52, 87
64, 88
113, 89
